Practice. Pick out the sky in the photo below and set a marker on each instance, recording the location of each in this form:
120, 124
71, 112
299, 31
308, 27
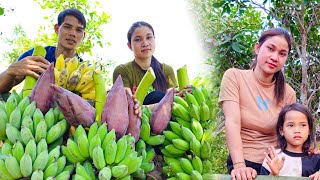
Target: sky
177, 42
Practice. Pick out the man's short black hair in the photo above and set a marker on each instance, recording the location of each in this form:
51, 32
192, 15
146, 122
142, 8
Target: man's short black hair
72, 12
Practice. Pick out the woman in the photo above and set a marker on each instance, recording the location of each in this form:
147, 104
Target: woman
251, 101
141, 41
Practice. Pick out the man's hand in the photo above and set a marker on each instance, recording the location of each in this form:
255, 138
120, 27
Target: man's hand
187, 88
28, 66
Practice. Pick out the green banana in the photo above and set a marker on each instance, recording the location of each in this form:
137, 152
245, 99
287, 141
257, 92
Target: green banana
197, 164
176, 128
207, 165
13, 167
204, 112
121, 149
170, 135
26, 165
49, 118
198, 95
37, 117
140, 145
69, 168
6, 149
166, 142
183, 176
186, 165
147, 166
95, 141
18, 150
92, 131
53, 133
74, 150
98, 157
110, 151
205, 150
15, 118
28, 123
167, 154
61, 164
88, 166
195, 147
181, 101
31, 149
55, 143
111, 135
68, 155
41, 161
119, 171
65, 175
184, 123
187, 134
4, 173
56, 112
29, 110
41, 131
167, 171
79, 132
63, 126
105, 174
51, 170
156, 140
173, 150
41, 146
102, 131
132, 162
23, 104
176, 167
191, 99
169, 160
53, 156
78, 177
83, 145
150, 155
10, 104
82, 172
26, 135
179, 111
197, 129
139, 174
194, 112
13, 133
4, 120
145, 130
37, 175
181, 144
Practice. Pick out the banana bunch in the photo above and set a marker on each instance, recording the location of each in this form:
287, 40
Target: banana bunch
22, 121
146, 135
34, 161
75, 76
111, 157
148, 153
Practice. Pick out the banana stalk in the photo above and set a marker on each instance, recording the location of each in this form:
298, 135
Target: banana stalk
30, 81
144, 85
183, 78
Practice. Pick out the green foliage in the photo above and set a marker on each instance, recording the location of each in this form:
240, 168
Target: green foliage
219, 154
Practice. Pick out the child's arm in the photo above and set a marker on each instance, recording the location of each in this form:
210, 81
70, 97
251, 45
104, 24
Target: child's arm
273, 161
315, 176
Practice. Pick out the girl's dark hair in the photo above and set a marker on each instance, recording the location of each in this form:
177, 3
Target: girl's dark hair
279, 89
295, 107
160, 83
72, 12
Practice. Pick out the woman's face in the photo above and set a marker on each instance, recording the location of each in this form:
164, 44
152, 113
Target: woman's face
272, 54
142, 43
295, 130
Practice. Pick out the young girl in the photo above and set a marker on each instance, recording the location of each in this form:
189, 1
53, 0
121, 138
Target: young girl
295, 132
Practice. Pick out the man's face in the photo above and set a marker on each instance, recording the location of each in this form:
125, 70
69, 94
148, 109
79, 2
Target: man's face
70, 33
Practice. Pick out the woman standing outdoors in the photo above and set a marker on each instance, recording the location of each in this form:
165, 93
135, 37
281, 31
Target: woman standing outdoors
251, 101
141, 41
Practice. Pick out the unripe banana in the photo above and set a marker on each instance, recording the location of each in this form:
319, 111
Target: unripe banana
204, 112
150, 155
61, 164
37, 117
17, 151
170, 135
140, 145
69, 168
176, 167
11, 104
31, 149
187, 134
207, 165
184, 123
65, 175
121, 149
78, 132
139, 174
51, 170
181, 144
98, 158
15, 118
80, 170
30, 109
156, 140
111, 135
41, 131
74, 150
63, 126
186, 165
78, 177
183, 176
6, 149
173, 150
4, 173
49, 118
88, 166
92, 131
197, 164
119, 171
26, 165
13, 167
145, 130
132, 162
55, 143
181, 101
54, 154
95, 141
13, 133
53, 133
102, 131
41, 161
194, 112
176, 128
4, 120
42, 146
23, 104
167, 171
110, 151
195, 147
167, 154
105, 174
83, 145
37, 175
205, 150
26, 135
198, 95
191, 99
179, 111
28, 123
68, 155
197, 129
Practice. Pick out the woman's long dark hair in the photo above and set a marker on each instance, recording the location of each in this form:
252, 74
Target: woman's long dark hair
160, 83
279, 89
295, 107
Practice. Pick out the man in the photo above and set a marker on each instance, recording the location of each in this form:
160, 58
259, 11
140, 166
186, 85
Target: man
70, 31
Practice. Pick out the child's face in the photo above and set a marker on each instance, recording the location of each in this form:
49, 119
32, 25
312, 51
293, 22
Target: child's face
295, 130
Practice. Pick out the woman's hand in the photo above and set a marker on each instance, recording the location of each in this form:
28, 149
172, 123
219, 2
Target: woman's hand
242, 172
315, 176
187, 88
273, 161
